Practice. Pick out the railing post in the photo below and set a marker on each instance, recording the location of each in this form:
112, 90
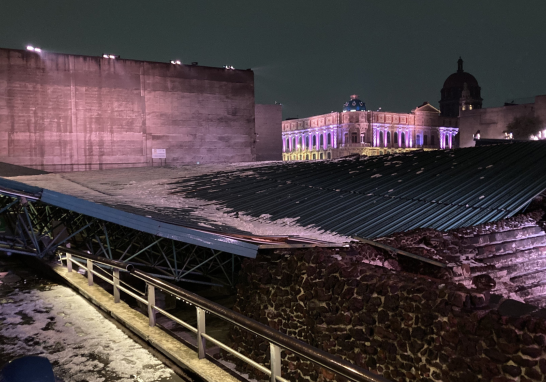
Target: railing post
116, 285
69, 262
151, 304
201, 341
89, 272
275, 361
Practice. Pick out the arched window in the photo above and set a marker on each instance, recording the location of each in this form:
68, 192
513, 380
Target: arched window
447, 141
403, 138
329, 142
314, 141
354, 138
294, 143
418, 140
287, 144
314, 156
307, 157
388, 137
307, 142
396, 137
329, 156
300, 139
380, 138
425, 140
321, 156
321, 140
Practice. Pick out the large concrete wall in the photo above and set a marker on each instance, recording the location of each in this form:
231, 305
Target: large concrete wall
67, 113
268, 132
492, 121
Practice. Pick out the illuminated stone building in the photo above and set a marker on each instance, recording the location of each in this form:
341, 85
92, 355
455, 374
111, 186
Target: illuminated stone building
357, 130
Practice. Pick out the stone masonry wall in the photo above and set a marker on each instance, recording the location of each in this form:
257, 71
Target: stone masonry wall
401, 325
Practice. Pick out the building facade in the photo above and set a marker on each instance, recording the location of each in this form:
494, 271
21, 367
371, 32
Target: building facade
360, 131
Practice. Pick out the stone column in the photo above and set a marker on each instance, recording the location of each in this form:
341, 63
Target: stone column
399, 138
450, 140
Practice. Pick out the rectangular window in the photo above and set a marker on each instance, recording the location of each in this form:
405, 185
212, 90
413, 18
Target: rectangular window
425, 140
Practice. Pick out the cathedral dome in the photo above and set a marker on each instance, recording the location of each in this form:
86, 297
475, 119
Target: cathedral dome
354, 104
457, 80
453, 91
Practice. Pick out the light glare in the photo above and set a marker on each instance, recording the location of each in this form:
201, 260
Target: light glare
30, 47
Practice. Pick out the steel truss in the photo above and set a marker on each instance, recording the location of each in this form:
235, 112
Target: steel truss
43, 229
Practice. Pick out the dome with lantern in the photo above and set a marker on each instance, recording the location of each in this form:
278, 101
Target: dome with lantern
354, 104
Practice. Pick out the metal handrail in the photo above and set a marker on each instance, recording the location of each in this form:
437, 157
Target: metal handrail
276, 339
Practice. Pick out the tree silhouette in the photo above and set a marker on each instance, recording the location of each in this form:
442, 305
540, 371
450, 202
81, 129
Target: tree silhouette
524, 126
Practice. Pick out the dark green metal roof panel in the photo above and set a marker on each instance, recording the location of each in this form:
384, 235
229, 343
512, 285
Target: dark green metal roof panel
376, 196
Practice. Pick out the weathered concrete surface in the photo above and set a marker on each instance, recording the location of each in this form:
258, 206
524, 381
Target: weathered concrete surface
268, 132
63, 112
180, 354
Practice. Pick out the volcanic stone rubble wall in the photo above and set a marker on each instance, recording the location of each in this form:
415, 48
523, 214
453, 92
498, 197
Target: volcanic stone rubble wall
403, 326
62, 112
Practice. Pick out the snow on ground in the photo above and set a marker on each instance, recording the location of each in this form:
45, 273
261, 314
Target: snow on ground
81, 344
149, 190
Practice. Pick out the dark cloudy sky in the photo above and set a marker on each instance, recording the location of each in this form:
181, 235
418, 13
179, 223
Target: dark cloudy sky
309, 55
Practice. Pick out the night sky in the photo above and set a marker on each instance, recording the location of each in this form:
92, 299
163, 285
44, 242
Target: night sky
309, 55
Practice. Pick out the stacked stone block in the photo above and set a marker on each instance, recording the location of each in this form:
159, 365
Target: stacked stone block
404, 326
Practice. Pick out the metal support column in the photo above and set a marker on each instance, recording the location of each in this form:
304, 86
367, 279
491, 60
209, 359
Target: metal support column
201, 329
151, 304
89, 272
116, 285
69, 262
275, 352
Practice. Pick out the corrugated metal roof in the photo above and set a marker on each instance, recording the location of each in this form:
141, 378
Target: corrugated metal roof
231, 240
134, 221
375, 196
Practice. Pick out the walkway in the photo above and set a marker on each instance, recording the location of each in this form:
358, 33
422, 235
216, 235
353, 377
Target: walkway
38, 317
